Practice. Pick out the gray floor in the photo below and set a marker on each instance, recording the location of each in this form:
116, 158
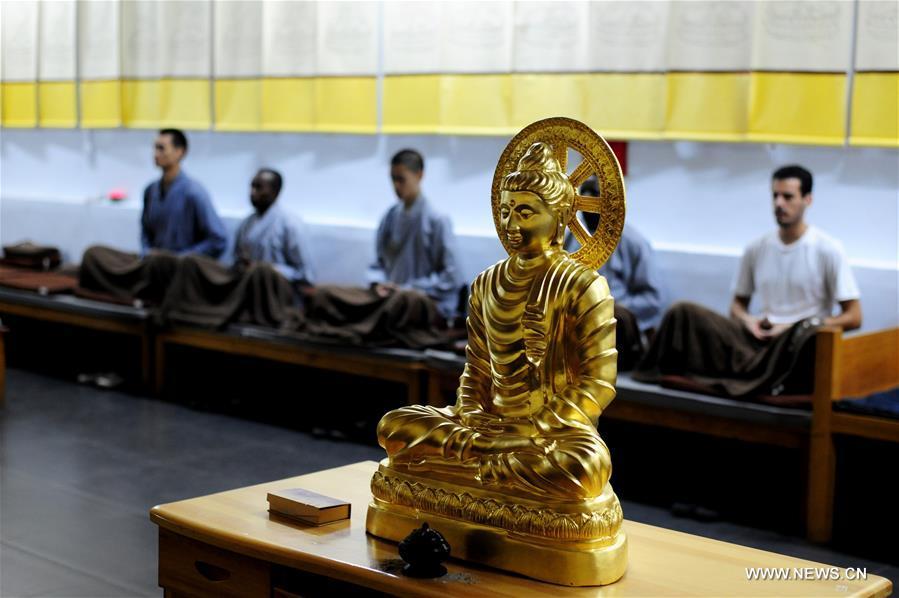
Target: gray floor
80, 469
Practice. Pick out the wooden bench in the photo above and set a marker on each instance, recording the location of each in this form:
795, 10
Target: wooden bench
851, 366
85, 313
845, 366
394, 365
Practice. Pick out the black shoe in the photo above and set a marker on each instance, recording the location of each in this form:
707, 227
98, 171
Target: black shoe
108, 380
682, 509
706, 514
87, 378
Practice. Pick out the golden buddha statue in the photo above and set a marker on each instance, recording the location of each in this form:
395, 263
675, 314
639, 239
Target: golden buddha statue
517, 464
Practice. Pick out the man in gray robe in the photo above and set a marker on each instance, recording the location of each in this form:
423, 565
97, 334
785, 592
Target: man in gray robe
635, 282
415, 246
413, 289
271, 263
270, 235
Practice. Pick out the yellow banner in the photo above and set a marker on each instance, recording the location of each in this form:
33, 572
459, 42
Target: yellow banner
101, 104
875, 109
238, 105
19, 104
798, 108
57, 104
707, 106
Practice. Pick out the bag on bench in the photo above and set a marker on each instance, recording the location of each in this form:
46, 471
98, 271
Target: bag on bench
32, 256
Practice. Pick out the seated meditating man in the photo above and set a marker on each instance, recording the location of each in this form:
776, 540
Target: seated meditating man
178, 215
178, 218
796, 274
415, 246
413, 284
541, 362
272, 236
635, 281
271, 266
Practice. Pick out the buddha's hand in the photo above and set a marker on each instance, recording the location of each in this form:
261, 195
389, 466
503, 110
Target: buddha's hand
489, 424
543, 444
480, 421
547, 421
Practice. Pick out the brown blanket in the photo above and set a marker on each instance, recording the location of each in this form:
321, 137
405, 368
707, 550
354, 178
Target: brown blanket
208, 294
719, 353
627, 339
199, 291
123, 277
359, 316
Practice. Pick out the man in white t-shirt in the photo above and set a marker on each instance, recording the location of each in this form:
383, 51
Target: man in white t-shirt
798, 271
796, 274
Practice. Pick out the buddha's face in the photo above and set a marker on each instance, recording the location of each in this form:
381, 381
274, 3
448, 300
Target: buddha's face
530, 226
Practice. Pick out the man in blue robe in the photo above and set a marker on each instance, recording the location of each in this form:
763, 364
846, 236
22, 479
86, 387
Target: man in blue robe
178, 215
178, 219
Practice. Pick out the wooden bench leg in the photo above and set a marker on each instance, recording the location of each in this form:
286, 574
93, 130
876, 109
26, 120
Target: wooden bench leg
821, 457
435, 394
414, 388
820, 490
146, 360
2, 368
159, 379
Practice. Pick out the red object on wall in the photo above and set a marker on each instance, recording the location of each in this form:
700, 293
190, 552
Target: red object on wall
619, 148
118, 194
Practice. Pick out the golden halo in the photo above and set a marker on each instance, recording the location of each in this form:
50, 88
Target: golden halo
598, 159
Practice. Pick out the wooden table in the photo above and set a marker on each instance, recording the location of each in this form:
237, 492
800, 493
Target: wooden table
227, 545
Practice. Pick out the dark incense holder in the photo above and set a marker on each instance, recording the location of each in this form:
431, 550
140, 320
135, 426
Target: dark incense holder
423, 550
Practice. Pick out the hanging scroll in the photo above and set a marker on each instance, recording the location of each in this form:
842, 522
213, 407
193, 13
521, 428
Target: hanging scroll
709, 51
625, 90
57, 98
166, 58
99, 66
288, 65
141, 69
413, 54
477, 45
875, 106
801, 53
186, 63
238, 65
20, 63
550, 38
347, 64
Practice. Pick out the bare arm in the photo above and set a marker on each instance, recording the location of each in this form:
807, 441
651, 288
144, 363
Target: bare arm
850, 316
739, 311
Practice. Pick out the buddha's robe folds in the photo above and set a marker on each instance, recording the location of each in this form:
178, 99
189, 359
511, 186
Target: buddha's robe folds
541, 368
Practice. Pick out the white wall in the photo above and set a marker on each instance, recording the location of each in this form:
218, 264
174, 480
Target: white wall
699, 203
